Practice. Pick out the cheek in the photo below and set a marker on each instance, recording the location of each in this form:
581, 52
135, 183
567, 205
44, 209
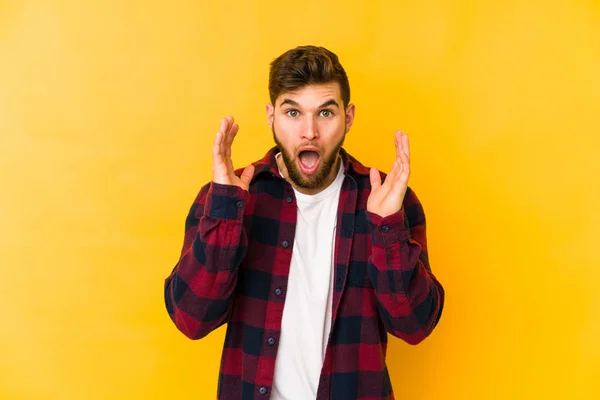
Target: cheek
286, 130
332, 129
284, 136
287, 124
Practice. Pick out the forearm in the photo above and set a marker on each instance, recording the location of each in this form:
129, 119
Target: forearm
410, 297
199, 291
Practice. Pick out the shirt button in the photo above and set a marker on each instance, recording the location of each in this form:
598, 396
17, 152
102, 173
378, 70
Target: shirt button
271, 340
385, 228
289, 199
285, 244
278, 292
262, 390
239, 204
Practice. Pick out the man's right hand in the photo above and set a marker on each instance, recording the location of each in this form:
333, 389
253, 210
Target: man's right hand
222, 168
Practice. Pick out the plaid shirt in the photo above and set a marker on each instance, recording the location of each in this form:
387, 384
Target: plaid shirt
234, 266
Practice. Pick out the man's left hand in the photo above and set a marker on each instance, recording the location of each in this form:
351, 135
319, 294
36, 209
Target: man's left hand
386, 199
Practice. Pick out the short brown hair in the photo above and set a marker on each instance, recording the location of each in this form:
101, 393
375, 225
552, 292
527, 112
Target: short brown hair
305, 65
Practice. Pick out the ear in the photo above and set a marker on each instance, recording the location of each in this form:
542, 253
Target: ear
270, 114
350, 109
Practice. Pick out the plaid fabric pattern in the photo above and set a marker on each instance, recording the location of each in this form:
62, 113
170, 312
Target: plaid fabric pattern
233, 269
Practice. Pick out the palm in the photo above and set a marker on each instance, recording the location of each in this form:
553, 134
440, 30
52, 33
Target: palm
223, 171
386, 199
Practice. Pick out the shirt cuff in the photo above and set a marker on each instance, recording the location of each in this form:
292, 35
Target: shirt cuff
225, 201
388, 230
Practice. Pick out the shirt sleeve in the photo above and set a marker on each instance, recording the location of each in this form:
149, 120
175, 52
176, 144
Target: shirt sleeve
409, 297
198, 292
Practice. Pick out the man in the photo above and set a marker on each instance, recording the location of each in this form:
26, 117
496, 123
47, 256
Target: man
309, 257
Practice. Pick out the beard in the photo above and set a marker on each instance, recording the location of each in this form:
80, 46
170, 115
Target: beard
318, 178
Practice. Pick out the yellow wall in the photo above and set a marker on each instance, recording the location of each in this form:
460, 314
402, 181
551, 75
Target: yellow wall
107, 113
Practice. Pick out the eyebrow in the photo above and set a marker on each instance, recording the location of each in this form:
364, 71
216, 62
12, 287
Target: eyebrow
295, 104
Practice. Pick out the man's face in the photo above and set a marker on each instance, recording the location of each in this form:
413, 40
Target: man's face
309, 127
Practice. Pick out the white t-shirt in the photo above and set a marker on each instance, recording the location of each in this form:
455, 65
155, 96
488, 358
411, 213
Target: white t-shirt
307, 311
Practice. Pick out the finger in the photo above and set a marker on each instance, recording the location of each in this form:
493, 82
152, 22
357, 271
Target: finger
217, 155
401, 180
231, 135
398, 143
220, 159
405, 171
405, 156
405, 159
391, 176
230, 125
216, 150
225, 147
226, 132
375, 178
247, 175
223, 128
233, 129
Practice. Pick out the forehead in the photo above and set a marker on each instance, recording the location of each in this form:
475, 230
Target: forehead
312, 95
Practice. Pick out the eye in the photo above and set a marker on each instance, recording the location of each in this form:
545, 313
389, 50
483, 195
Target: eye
292, 113
326, 113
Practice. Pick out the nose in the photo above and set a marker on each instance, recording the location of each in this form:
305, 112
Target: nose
310, 131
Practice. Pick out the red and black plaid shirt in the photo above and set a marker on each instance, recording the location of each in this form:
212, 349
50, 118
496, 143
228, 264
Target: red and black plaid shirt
234, 268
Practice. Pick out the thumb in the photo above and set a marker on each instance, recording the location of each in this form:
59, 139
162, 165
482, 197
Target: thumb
375, 178
247, 175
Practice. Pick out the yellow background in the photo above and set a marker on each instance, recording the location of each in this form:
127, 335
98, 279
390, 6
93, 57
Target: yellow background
107, 113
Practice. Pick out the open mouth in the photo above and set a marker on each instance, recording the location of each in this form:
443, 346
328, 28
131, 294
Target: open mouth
309, 160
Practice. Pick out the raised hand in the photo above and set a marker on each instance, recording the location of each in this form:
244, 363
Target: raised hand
223, 171
386, 199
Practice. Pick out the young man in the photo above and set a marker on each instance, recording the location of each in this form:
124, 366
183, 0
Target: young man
309, 257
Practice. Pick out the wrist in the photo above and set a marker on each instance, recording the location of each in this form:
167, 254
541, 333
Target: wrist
225, 201
387, 229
